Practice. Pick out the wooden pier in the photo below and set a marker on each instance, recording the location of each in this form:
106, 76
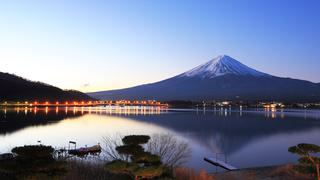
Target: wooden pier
220, 163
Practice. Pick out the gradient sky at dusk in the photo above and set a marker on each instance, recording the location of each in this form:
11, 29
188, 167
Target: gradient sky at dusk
100, 45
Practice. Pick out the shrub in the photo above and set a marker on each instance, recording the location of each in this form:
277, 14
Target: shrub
121, 167
308, 160
129, 149
33, 162
84, 170
135, 139
33, 152
146, 158
150, 172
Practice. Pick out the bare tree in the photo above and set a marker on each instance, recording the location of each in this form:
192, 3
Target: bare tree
172, 152
109, 149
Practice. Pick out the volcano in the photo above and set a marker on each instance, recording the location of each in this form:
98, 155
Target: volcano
222, 78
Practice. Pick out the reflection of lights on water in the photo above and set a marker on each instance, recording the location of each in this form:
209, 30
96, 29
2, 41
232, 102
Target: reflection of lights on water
282, 114
273, 113
267, 112
270, 112
126, 110
305, 113
66, 110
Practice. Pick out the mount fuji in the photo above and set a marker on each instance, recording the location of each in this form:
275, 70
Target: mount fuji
222, 65
222, 78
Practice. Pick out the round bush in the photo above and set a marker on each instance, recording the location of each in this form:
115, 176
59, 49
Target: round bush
129, 149
33, 151
135, 139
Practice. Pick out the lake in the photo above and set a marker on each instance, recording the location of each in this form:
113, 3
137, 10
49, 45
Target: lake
247, 138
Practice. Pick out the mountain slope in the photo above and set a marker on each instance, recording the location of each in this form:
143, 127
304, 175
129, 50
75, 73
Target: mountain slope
222, 78
15, 88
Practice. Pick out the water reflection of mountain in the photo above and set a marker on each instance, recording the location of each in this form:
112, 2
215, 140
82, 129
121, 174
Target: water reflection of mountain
11, 121
229, 133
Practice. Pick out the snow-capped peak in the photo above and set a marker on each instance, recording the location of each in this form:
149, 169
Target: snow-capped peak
220, 66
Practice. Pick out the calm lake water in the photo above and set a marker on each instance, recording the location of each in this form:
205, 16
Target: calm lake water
248, 139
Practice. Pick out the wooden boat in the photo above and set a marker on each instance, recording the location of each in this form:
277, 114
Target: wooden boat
86, 150
95, 149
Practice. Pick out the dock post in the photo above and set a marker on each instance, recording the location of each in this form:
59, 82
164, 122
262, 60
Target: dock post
73, 142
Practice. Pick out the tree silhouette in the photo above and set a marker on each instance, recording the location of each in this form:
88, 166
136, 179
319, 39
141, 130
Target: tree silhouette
308, 161
139, 164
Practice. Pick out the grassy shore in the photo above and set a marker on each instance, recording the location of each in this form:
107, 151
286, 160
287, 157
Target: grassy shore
281, 172
82, 170
132, 161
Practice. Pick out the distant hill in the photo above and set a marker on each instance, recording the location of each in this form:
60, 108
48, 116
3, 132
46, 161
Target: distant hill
15, 88
222, 78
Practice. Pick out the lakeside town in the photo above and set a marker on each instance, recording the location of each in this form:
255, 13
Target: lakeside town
190, 104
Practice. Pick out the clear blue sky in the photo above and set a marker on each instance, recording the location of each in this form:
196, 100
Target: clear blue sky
100, 45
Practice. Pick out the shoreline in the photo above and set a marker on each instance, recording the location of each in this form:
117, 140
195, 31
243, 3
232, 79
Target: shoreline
284, 171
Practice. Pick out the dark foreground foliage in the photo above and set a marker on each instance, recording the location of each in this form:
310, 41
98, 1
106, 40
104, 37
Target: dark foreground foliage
38, 163
139, 164
309, 159
32, 162
82, 170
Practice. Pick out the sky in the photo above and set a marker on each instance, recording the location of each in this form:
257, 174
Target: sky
95, 45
